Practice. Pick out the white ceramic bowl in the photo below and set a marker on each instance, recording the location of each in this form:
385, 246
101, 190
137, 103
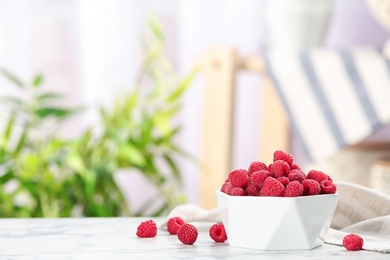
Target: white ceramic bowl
276, 223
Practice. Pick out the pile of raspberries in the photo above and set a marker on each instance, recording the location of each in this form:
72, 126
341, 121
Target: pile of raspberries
281, 178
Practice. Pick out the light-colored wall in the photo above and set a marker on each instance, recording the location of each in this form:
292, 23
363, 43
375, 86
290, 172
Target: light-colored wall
89, 49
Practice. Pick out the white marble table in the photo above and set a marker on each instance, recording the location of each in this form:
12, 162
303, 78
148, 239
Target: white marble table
115, 238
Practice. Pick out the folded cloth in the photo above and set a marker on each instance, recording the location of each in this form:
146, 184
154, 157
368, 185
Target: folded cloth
360, 210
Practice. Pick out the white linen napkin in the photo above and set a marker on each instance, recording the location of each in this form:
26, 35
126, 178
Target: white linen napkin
360, 210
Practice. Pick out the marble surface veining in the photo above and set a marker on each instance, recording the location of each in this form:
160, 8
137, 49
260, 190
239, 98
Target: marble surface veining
115, 238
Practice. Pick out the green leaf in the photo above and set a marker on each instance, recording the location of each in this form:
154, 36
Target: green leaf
21, 142
7, 176
131, 154
12, 78
55, 112
37, 81
173, 166
15, 102
183, 85
49, 95
8, 129
156, 28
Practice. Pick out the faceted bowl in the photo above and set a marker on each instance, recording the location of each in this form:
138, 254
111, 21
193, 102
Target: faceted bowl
276, 223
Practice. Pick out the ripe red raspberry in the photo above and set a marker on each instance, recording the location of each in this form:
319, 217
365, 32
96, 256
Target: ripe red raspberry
187, 234
353, 242
239, 178
296, 175
295, 167
174, 224
217, 233
280, 155
256, 166
311, 187
258, 178
280, 168
319, 176
251, 190
227, 187
272, 187
328, 187
283, 180
147, 229
237, 191
293, 189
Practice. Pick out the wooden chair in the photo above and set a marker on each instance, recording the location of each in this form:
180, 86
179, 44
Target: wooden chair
220, 67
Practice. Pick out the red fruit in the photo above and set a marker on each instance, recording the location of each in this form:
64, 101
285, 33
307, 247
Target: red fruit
237, 191
328, 187
258, 178
187, 234
272, 187
280, 168
147, 229
239, 178
227, 187
294, 167
311, 187
217, 233
353, 242
280, 155
296, 175
174, 224
283, 180
251, 190
319, 176
256, 166
293, 189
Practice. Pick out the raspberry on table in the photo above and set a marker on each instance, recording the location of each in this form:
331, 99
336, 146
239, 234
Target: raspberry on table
280, 168
319, 176
147, 229
187, 234
328, 187
353, 242
272, 187
174, 224
256, 166
258, 178
311, 187
280, 155
217, 233
239, 178
293, 189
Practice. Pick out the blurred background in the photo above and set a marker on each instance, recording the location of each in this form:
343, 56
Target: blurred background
85, 72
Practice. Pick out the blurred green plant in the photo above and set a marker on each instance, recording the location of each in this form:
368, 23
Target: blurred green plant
44, 175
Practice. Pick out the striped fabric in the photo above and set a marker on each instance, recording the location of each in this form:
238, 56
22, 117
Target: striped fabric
333, 98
